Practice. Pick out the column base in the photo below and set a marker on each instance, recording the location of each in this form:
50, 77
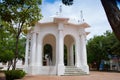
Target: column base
77, 65
60, 69
85, 68
33, 70
26, 68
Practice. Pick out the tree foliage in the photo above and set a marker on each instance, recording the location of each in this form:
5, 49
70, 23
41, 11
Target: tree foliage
67, 2
100, 47
6, 50
7, 43
6, 56
17, 15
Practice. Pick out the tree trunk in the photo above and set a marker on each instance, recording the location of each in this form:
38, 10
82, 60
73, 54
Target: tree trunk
113, 15
9, 64
16, 53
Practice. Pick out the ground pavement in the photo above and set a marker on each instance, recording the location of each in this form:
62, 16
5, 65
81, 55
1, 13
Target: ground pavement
94, 75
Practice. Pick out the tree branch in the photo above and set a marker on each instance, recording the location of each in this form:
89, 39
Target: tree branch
11, 26
113, 15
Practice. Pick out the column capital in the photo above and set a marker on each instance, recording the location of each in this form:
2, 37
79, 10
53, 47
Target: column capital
33, 32
82, 34
60, 27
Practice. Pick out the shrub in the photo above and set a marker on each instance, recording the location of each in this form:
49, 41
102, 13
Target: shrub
14, 74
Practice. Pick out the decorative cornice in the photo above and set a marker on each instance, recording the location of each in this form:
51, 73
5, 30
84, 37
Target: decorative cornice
34, 32
47, 24
82, 32
87, 33
83, 25
57, 20
60, 20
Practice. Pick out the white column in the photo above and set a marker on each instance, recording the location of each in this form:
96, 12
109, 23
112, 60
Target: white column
38, 53
83, 52
33, 49
26, 54
61, 46
77, 57
83, 49
60, 50
32, 67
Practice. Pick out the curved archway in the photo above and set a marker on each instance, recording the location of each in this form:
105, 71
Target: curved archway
69, 41
49, 49
47, 54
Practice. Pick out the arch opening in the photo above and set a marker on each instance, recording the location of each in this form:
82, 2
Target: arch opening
69, 50
49, 50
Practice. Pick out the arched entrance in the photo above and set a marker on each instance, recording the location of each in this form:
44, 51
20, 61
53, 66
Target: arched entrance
47, 59
49, 49
69, 50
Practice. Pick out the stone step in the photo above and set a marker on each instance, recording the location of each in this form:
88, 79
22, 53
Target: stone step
77, 74
72, 70
74, 73
71, 67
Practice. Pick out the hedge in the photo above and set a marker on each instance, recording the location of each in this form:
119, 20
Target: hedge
14, 74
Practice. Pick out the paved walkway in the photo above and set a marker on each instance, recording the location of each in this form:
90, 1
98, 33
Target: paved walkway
93, 76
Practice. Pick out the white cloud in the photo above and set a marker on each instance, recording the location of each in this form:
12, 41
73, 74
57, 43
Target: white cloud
93, 14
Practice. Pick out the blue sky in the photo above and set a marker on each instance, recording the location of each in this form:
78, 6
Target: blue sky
93, 14
50, 1
118, 3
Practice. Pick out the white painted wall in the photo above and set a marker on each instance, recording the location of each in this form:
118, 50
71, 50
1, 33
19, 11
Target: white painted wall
59, 28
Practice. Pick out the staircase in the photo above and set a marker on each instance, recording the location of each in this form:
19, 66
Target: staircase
73, 71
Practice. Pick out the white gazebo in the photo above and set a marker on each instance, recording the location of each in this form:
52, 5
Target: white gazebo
57, 47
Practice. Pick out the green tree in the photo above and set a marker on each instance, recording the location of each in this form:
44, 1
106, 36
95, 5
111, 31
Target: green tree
21, 47
7, 47
6, 56
96, 50
100, 47
6, 51
17, 15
